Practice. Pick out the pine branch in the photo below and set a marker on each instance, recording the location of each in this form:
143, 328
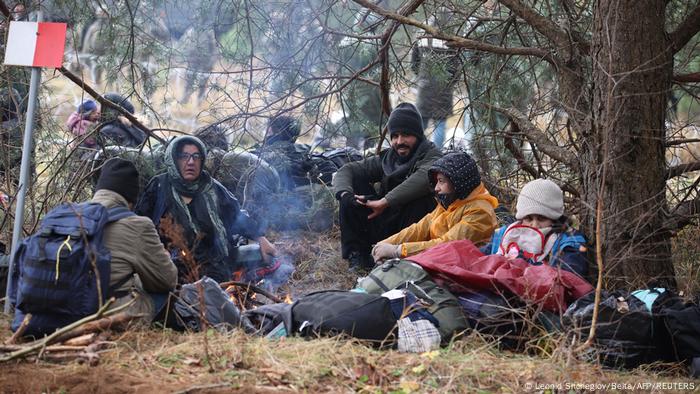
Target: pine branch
515, 150
460, 42
540, 23
683, 214
681, 169
544, 144
686, 30
688, 78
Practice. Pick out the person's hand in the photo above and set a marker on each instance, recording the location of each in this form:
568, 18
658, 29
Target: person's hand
384, 251
267, 249
377, 206
350, 199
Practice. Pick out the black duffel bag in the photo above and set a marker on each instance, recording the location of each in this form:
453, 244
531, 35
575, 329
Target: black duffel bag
334, 312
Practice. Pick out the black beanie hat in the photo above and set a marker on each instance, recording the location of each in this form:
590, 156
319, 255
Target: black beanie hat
405, 118
120, 176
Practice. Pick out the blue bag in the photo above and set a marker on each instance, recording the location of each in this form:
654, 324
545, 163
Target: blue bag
56, 270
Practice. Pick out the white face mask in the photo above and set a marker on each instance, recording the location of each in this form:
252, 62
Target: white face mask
532, 243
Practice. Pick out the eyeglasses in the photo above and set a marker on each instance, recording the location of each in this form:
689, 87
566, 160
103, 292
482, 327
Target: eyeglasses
187, 156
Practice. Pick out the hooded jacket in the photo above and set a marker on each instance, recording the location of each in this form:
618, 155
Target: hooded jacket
471, 218
79, 126
137, 252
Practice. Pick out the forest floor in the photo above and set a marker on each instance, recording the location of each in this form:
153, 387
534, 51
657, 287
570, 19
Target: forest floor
143, 360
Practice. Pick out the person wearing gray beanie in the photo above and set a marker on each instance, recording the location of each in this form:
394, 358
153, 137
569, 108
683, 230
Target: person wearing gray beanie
540, 197
541, 235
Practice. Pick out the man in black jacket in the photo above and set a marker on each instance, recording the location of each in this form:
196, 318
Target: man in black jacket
368, 215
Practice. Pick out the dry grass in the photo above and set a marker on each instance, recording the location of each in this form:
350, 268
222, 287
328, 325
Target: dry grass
155, 361
319, 265
165, 361
686, 260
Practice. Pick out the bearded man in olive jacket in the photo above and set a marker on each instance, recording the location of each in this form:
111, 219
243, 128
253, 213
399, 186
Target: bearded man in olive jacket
404, 195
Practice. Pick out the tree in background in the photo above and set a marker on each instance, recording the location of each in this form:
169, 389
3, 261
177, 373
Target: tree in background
576, 91
613, 67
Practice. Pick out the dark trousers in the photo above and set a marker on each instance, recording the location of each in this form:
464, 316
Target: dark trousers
358, 234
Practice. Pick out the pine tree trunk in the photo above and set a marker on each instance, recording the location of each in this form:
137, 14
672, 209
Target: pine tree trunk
625, 146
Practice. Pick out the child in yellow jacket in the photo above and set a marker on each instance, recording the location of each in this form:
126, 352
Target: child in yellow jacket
465, 211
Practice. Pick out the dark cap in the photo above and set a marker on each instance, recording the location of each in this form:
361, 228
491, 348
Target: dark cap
406, 118
120, 176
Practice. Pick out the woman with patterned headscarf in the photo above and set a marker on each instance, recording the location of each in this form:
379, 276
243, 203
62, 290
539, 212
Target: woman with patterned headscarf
210, 216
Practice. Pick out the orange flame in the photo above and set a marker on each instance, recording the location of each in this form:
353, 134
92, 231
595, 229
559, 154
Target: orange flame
238, 275
229, 291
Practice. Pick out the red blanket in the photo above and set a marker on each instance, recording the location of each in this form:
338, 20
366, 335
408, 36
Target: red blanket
463, 263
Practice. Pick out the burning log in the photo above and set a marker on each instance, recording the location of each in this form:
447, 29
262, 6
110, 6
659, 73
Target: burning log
250, 286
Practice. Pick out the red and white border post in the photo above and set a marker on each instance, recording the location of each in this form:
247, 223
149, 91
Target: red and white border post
32, 44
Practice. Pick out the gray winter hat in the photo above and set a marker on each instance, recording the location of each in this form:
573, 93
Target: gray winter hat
540, 197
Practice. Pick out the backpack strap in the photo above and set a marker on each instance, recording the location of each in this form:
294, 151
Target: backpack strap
378, 282
496, 240
567, 239
118, 213
113, 289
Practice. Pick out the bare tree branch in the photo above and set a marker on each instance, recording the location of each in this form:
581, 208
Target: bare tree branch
683, 214
535, 135
682, 141
460, 42
682, 169
89, 90
686, 30
544, 25
515, 150
692, 77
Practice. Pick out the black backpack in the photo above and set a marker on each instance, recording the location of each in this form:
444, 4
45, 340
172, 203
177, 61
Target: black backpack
677, 327
624, 331
62, 272
219, 311
334, 312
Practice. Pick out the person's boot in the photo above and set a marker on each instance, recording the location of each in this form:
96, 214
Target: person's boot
360, 263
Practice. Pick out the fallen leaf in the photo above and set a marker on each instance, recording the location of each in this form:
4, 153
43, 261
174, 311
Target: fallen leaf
431, 355
419, 369
192, 362
409, 386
